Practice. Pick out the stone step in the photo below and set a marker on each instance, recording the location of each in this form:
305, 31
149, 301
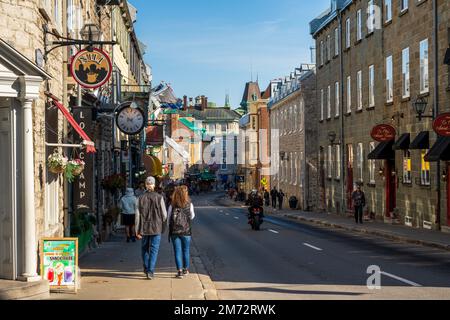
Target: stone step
17, 290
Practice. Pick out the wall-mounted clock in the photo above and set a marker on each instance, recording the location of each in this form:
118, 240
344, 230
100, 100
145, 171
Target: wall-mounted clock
130, 118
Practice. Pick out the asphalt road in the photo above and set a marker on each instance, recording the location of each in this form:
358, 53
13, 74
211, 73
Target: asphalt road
292, 260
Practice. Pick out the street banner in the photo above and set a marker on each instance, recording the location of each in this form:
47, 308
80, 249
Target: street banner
59, 263
91, 69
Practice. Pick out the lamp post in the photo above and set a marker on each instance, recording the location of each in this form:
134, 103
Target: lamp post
420, 106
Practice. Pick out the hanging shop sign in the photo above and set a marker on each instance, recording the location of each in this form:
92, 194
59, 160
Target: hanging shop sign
383, 133
441, 125
91, 69
59, 263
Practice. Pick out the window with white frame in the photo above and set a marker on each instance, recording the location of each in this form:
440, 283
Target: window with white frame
370, 17
359, 90
372, 164
359, 25
405, 73
70, 16
322, 53
406, 166
360, 161
387, 10
347, 33
321, 104
337, 98
349, 94
329, 47
389, 80
338, 161
336, 41
424, 65
295, 168
371, 86
302, 170
57, 14
425, 170
330, 162
404, 4
329, 103
292, 162
302, 114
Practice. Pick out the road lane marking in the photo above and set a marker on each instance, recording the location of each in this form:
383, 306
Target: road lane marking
237, 218
273, 231
401, 279
227, 214
312, 247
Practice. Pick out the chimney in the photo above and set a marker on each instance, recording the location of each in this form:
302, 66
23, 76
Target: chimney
203, 103
185, 102
206, 102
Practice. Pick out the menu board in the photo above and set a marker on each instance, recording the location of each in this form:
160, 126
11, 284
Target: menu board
59, 263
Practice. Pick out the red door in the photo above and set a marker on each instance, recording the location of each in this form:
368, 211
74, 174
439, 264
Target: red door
350, 186
391, 187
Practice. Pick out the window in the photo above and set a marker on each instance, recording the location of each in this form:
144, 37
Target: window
424, 80
302, 170
337, 102
404, 5
322, 53
406, 166
57, 14
359, 92
336, 42
425, 170
329, 103
347, 33
321, 104
295, 168
360, 161
330, 162
371, 86
338, 161
292, 173
388, 10
329, 47
372, 165
405, 73
70, 15
371, 17
389, 80
359, 25
349, 94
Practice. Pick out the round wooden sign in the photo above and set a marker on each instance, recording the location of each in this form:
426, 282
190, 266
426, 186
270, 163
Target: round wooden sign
383, 133
91, 69
441, 125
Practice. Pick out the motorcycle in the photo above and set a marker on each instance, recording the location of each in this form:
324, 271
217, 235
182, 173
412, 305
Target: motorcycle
255, 217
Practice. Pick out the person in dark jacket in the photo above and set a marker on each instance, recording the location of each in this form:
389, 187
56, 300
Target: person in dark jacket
181, 213
281, 196
150, 224
266, 198
359, 202
274, 195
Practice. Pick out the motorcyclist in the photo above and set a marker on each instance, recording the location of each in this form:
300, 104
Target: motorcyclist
255, 201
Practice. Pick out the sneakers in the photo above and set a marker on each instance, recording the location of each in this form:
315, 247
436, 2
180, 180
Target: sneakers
185, 272
149, 276
180, 275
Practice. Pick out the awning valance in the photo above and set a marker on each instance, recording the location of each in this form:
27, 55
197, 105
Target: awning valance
403, 142
90, 146
439, 151
422, 141
383, 151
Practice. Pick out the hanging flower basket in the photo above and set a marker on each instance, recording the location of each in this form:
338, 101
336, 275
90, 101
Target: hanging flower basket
73, 169
57, 163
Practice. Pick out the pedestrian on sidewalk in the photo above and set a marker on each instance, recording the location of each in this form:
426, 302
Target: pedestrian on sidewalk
128, 208
266, 197
274, 194
281, 196
150, 225
140, 190
359, 202
181, 213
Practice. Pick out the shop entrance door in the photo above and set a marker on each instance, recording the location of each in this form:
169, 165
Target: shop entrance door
7, 223
391, 188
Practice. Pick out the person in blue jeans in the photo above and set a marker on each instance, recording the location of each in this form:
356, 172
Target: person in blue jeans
180, 216
151, 220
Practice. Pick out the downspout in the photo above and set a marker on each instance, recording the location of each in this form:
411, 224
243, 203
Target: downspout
436, 107
341, 98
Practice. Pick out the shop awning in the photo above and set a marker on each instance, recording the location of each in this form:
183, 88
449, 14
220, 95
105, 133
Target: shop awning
403, 142
383, 151
90, 146
439, 151
422, 141
153, 166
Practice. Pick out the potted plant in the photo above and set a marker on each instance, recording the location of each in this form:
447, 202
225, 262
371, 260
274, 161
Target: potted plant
57, 163
114, 182
73, 169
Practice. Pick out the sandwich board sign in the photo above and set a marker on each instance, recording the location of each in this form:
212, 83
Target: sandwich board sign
59, 263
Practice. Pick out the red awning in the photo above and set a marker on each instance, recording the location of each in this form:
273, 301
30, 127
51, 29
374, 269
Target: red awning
90, 146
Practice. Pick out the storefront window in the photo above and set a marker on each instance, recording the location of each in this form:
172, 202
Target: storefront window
407, 166
372, 165
425, 170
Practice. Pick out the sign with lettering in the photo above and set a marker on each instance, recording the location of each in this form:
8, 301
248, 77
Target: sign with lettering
83, 186
91, 69
441, 125
59, 263
383, 133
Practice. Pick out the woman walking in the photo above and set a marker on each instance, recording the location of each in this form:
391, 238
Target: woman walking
128, 206
181, 213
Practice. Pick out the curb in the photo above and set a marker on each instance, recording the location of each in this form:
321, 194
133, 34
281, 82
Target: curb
386, 235
209, 289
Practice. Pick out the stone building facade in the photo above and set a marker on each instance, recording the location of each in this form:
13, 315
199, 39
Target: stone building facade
375, 58
293, 120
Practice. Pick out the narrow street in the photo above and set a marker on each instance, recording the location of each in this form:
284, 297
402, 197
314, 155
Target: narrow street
285, 260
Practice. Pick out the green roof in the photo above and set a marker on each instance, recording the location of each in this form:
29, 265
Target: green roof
189, 124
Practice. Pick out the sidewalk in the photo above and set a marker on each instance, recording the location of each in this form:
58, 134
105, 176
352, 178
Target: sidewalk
430, 238
114, 272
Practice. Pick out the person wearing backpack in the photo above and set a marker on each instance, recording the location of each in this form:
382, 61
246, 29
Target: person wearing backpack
180, 215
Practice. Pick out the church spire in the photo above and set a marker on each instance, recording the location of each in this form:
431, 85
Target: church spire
227, 101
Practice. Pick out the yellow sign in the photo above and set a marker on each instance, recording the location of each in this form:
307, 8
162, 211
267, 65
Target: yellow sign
264, 181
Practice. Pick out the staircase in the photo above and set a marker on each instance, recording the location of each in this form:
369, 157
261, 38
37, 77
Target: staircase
17, 290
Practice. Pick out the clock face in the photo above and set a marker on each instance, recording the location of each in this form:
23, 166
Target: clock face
130, 120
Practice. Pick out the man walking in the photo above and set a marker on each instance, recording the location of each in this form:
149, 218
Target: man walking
266, 198
359, 202
150, 224
274, 195
281, 196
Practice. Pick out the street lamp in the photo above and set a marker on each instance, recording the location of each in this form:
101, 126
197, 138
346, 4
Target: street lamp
90, 32
420, 106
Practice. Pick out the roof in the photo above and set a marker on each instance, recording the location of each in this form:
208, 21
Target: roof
251, 89
328, 16
189, 124
211, 114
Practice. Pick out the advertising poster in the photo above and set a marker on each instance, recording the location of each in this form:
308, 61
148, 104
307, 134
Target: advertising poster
59, 263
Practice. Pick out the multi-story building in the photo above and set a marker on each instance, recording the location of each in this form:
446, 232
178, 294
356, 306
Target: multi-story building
293, 123
375, 58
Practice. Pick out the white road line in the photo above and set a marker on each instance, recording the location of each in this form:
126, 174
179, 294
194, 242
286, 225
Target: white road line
237, 218
227, 214
273, 231
401, 279
312, 247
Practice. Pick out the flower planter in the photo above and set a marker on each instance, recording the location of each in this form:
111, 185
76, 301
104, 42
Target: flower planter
76, 172
57, 169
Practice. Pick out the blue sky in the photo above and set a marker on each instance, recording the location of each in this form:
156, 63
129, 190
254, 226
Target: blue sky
211, 46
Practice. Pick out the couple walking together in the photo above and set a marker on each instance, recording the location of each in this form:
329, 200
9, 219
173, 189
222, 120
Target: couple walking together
151, 222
